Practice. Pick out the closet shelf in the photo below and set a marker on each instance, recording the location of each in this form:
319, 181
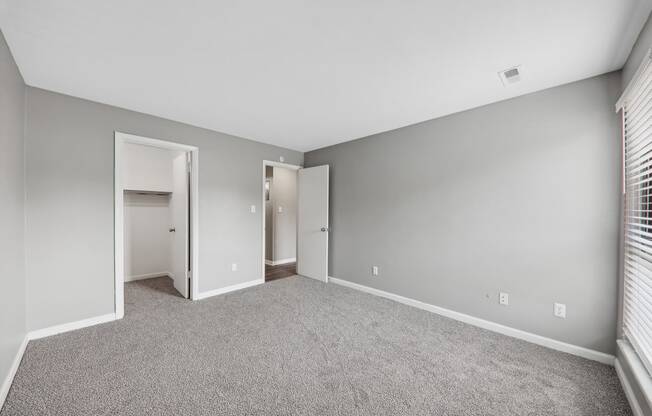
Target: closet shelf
145, 192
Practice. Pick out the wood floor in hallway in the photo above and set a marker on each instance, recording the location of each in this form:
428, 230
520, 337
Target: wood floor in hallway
280, 271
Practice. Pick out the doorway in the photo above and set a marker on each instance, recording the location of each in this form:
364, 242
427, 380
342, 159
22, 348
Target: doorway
280, 204
295, 221
156, 196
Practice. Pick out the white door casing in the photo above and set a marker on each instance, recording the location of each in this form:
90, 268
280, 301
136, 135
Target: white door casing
118, 227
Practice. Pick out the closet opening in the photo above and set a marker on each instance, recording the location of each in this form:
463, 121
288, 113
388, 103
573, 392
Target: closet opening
155, 219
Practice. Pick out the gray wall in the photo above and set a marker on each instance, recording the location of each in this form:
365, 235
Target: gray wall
521, 196
642, 45
12, 214
284, 194
69, 232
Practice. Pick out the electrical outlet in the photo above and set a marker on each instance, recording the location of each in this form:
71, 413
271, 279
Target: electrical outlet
253, 209
504, 298
234, 267
374, 270
282, 159
560, 310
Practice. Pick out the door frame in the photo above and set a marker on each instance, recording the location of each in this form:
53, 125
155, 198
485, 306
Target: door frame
277, 165
118, 212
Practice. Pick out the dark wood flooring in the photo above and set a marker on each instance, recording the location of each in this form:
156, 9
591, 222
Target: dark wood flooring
280, 271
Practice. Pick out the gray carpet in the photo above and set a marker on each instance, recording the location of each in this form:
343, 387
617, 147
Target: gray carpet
299, 347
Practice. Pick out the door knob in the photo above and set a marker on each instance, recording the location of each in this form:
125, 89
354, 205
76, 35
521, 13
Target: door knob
172, 230
324, 229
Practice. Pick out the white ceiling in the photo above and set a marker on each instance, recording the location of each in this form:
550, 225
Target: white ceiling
306, 74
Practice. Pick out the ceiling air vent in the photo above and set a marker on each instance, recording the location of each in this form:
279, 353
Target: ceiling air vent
510, 76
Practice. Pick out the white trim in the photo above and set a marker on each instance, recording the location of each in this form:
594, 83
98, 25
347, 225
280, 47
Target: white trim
232, 288
262, 209
6, 384
147, 276
285, 261
194, 220
146, 141
491, 326
627, 388
638, 371
70, 326
120, 140
282, 261
647, 58
281, 165
118, 230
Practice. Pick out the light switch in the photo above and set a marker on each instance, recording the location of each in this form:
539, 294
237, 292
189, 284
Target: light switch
253, 209
280, 209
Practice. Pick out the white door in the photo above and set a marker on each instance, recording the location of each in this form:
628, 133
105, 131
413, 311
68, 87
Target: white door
179, 226
312, 223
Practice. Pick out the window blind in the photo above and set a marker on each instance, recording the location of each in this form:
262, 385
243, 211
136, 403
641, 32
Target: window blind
636, 108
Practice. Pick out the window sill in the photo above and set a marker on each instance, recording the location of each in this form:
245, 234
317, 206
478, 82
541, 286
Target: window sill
635, 379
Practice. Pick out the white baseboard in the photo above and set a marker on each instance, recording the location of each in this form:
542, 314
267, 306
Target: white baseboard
146, 276
71, 326
282, 261
491, 326
221, 291
6, 384
627, 388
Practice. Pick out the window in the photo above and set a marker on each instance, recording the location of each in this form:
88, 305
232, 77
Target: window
636, 106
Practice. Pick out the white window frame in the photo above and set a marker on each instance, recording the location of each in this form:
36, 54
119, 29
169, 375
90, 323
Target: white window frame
629, 310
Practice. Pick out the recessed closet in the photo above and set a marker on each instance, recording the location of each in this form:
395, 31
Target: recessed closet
156, 214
